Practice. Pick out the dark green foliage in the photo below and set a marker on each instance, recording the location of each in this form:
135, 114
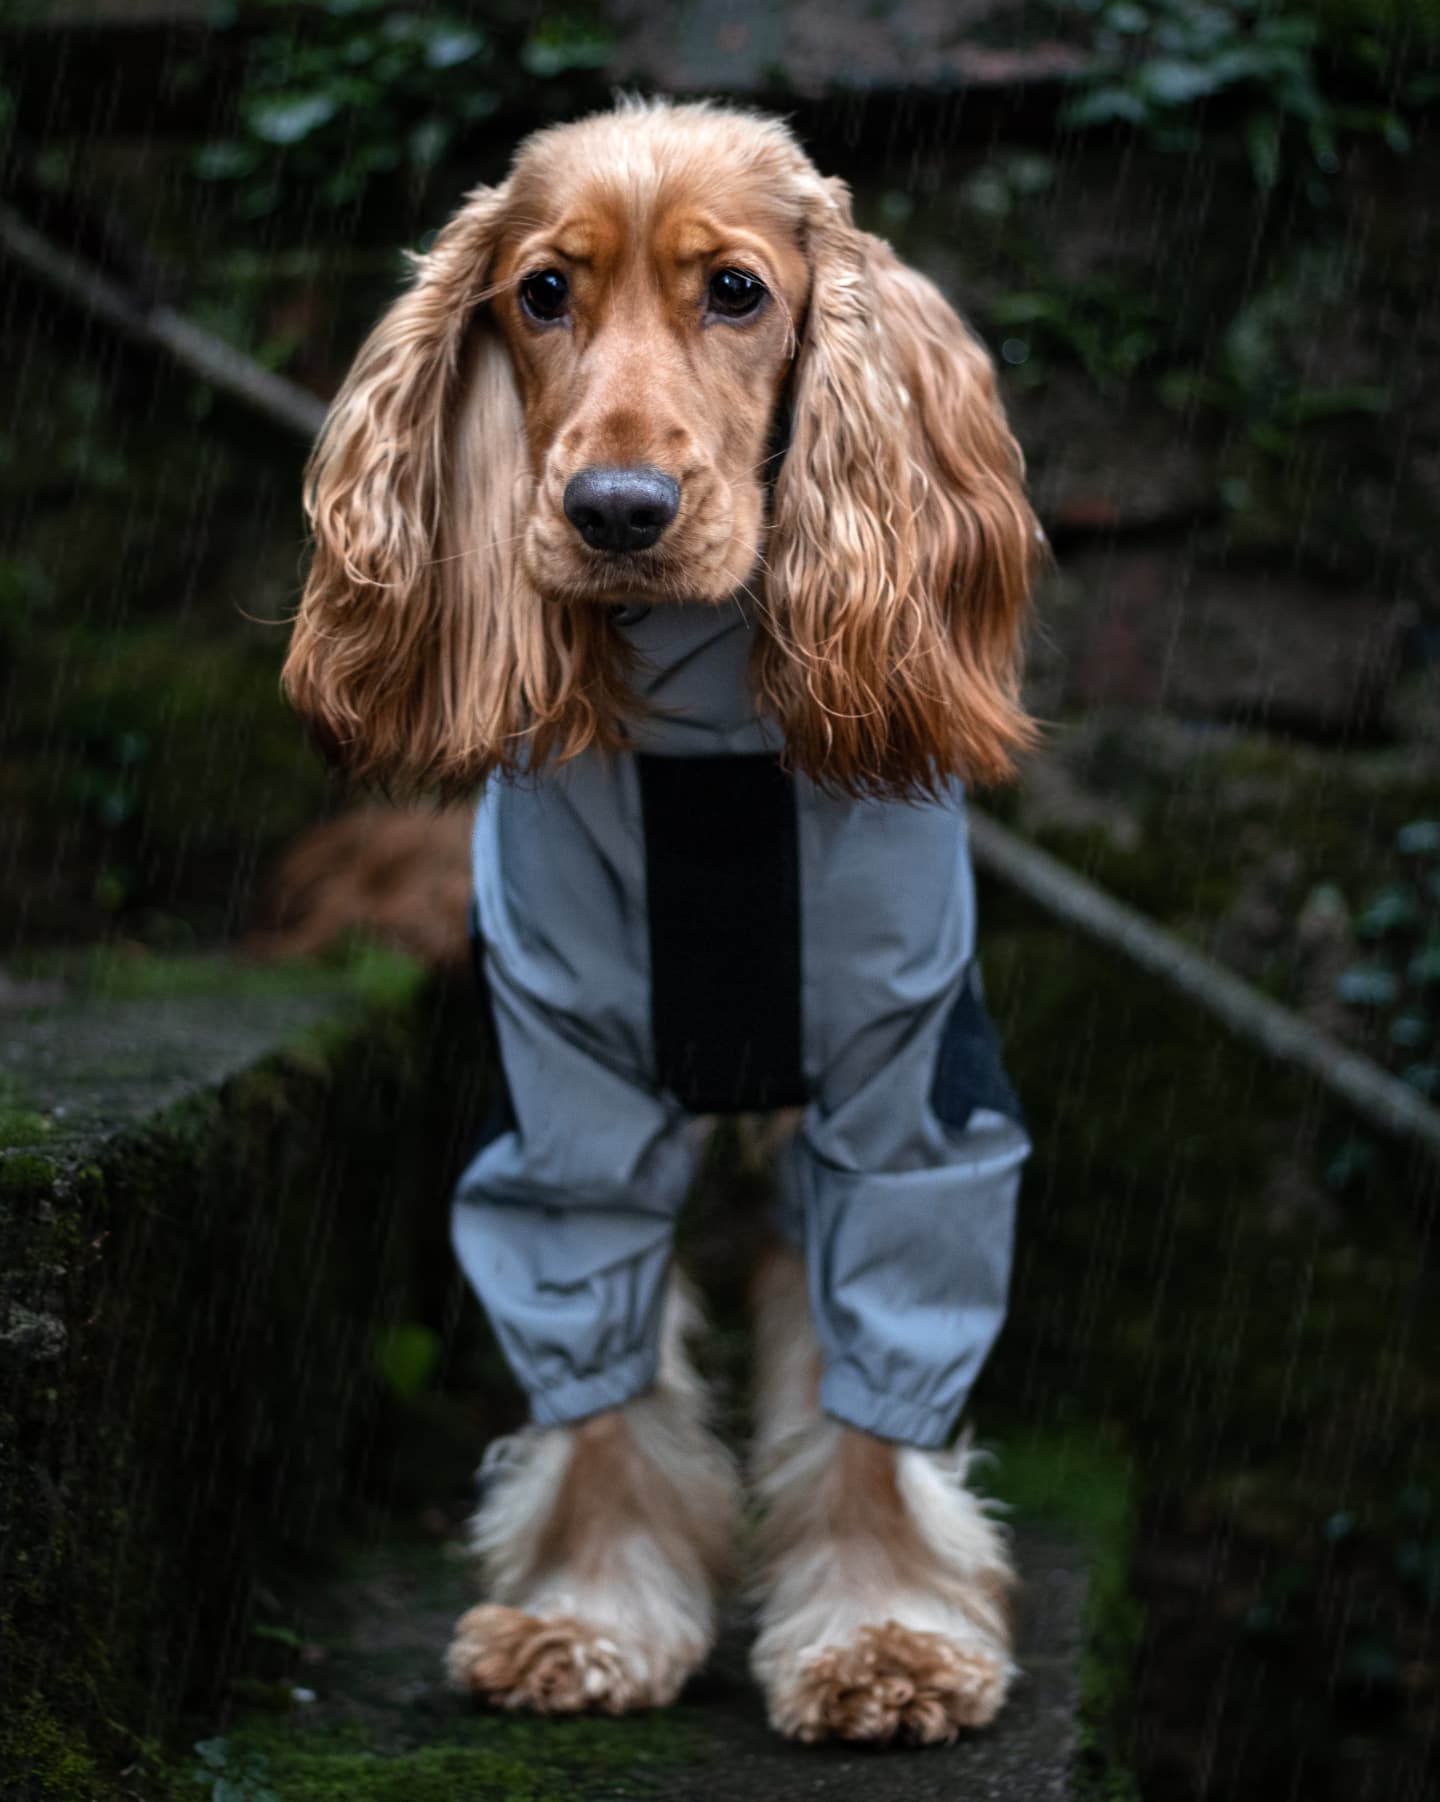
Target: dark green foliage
1264, 160
337, 94
1272, 1369
148, 764
1250, 333
1394, 988
1157, 63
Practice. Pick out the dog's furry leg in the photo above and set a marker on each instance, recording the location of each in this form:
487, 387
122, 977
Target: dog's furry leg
601, 1546
883, 1582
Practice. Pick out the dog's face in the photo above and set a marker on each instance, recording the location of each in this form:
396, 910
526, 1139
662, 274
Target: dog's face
660, 363
649, 318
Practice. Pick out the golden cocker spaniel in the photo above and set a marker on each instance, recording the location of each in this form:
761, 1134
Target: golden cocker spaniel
661, 364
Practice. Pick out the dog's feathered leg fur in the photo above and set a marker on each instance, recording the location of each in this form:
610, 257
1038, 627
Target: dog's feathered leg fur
601, 1546
883, 1582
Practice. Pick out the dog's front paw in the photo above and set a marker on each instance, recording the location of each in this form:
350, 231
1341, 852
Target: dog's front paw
555, 1665
889, 1683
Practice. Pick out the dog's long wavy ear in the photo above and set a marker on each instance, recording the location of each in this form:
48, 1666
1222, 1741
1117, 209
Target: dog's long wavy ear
418, 657
902, 546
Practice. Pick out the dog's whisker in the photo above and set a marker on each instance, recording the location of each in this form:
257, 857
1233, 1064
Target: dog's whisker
774, 457
475, 550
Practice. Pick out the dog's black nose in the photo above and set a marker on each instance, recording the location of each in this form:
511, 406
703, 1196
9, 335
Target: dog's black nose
621, 509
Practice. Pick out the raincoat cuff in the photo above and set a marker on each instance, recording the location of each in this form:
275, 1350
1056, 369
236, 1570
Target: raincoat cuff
847, 1397
609, 1388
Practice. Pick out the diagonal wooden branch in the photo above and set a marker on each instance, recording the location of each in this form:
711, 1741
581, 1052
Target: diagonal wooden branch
199, 351
1377, 1097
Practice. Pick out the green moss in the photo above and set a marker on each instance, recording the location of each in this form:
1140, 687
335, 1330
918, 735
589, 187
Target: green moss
50, 1762
20, 1127
1070, 1480
20, 1124
485, 1757
1106, 1770
444, 1774
439, 1774
381, 977
1080, 1483
369, 973
25, 1173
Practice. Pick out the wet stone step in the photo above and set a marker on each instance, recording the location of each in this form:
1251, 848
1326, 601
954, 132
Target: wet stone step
377, 1721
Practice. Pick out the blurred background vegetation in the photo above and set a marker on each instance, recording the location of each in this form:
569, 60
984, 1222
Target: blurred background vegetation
1203, 242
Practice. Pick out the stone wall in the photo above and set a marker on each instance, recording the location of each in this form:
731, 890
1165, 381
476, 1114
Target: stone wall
210, 1193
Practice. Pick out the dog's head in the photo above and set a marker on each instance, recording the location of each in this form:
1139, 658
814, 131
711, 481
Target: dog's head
660, 363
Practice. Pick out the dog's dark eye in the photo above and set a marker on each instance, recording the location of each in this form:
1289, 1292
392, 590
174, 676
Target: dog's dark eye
734, 293
545, 295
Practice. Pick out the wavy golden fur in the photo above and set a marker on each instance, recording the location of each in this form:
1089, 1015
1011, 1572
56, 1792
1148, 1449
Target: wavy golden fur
453, 622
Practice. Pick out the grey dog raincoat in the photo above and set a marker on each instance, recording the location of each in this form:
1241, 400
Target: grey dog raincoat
685, 927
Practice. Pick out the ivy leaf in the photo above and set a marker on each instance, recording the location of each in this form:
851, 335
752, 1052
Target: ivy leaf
1391, 908
450, 45
1396, 133
1204, 27
556, 49
1241, 62
1367, 985
1171, 82
224, 160
1419, 838
427, 142
1105, 105
285, 1636
288, 118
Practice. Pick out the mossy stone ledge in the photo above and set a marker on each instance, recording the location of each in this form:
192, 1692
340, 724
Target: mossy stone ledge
207, 1178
